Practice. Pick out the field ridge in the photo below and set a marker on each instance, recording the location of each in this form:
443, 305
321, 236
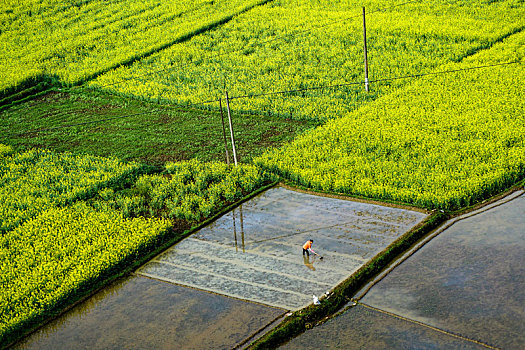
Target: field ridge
45, 82
178, 40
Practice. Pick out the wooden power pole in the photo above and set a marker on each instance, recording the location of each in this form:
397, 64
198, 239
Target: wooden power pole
224, 134
231, 128
365, 49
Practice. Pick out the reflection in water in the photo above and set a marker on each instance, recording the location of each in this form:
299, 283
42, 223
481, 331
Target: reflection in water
309, 263
467, 280
235, 229
141, 313
242, 230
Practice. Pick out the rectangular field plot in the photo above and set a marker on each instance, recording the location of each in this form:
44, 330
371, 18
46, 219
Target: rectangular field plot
468, 280
141, 313
363, 328
255, 252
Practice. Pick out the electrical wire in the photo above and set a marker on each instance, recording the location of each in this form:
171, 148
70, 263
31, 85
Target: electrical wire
370, 81
412, 76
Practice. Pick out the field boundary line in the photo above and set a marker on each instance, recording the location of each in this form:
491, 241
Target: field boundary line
219, 292
233, 279
260, 331
210, 292
181, 39
427, 326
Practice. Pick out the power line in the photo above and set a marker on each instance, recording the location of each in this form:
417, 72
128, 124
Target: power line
275, 38
446, 72
371, 81
269, 94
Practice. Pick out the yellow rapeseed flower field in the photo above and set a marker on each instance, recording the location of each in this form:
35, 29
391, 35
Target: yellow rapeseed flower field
445, 141
50, 256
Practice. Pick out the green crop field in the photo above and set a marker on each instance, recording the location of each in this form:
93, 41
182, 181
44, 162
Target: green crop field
37, 180
100, 100
67, 224
73, 41
290, 45
445, 141
60, 252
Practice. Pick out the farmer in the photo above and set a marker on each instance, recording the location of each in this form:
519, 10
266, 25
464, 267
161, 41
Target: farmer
307, 247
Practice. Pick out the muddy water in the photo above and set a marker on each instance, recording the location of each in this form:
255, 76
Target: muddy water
255, 251
141, 313
362, 328
468, 281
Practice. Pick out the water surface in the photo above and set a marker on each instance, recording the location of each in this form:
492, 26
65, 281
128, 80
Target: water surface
141, 313
468, 280
255, 251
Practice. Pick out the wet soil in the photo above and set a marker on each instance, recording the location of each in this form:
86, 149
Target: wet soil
141, 313
462, 290
362, 328
255, 251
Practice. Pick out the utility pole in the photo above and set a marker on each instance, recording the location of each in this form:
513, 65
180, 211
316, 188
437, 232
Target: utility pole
365, 49
224, 134
231, 128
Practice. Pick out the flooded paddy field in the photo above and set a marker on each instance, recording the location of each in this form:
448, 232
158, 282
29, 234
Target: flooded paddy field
230, 279
464, 288
364, 328
141, 313
255, 251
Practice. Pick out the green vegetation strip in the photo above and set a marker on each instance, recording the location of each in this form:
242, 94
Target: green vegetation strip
446, 141
189, 191
308, 317
36, 180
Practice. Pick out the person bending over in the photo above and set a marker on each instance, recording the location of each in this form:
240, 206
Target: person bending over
307, 247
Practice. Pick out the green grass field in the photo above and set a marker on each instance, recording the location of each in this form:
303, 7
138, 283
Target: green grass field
152, 134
